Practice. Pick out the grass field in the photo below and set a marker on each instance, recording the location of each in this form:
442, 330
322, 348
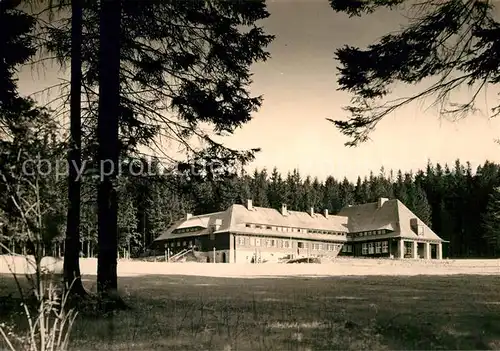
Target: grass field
370, 313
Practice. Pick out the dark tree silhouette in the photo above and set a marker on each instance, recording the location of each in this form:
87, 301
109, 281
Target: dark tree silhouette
453, 42
108, 152
491, 222
72, 247
16, 48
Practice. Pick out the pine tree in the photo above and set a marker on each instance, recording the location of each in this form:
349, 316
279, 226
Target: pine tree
400, 189
418, 52
419, 205
346, 192
491, 223
258, 188
276, 191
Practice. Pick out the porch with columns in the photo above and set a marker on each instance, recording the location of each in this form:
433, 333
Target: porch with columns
415, 249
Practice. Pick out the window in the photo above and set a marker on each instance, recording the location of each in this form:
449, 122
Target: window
273, 243
364, 249
257, 242
258, 227
408, 248
378, 247
344, 248
320, 247
184, 243
300, 245
241, 240
286, 244
248, 225
269, 227
247, 241
190, 242
371, 248
349, 248
385, 247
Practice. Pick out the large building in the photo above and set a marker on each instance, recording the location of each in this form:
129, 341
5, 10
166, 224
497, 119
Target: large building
386, 228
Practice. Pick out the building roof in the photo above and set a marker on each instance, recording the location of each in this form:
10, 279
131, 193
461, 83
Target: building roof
405, 216
295, 219
236, 217
368, 216
203, 222
392, 215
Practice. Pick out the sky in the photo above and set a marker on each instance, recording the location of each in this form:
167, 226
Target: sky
299, 87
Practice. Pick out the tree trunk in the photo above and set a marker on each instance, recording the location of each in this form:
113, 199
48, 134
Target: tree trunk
72, 248
108, 150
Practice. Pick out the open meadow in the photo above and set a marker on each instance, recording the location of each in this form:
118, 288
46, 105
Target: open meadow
177, 312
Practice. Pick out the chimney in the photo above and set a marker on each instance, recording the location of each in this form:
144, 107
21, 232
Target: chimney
326, 213
188, 216
283, 210
312, 212
217, 224
381, 201
249, 205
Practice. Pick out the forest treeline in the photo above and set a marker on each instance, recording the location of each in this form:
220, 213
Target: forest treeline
455, 201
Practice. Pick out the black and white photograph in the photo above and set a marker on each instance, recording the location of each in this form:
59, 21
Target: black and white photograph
240, 175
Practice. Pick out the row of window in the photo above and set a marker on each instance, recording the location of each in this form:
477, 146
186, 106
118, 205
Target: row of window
368, 233
186, 230
261, 242
285, 244
293, 229
375, 248
346, 248
184, 243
